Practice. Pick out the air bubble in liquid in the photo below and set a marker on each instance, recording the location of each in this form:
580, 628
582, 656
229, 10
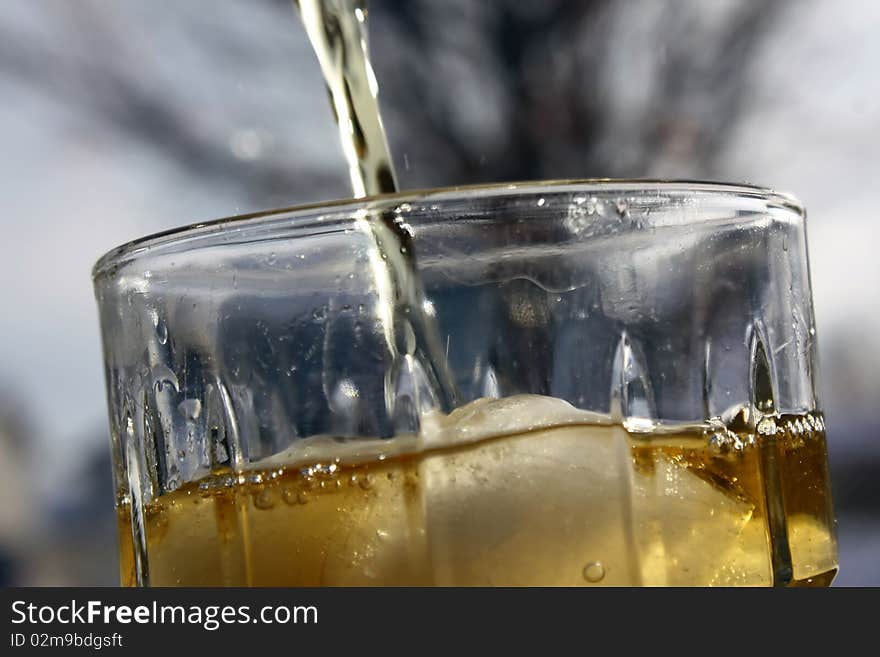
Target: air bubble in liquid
264, 499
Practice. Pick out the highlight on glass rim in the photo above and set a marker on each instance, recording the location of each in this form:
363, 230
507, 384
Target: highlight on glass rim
408, 294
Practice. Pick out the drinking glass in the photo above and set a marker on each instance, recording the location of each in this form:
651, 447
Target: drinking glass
576, 383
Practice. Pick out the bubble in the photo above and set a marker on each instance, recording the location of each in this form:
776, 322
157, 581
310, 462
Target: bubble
541, 202
264, 499
271, 259
622, 208
366, 482
594, 572
157, 517
326, 469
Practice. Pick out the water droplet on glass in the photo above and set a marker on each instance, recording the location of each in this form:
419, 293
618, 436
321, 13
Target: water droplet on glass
594, 572
272, 258
161, 331
164, 378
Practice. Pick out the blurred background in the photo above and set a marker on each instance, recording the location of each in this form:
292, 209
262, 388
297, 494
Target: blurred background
121, 118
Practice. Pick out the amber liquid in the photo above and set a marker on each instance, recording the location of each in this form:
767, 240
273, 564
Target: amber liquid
579, 504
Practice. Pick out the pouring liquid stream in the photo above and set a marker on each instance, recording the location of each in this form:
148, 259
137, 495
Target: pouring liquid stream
338, 33
337, 30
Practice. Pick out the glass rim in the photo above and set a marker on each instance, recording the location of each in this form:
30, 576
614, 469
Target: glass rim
110, 261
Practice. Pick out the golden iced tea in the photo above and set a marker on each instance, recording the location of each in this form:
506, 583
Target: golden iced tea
520, 491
